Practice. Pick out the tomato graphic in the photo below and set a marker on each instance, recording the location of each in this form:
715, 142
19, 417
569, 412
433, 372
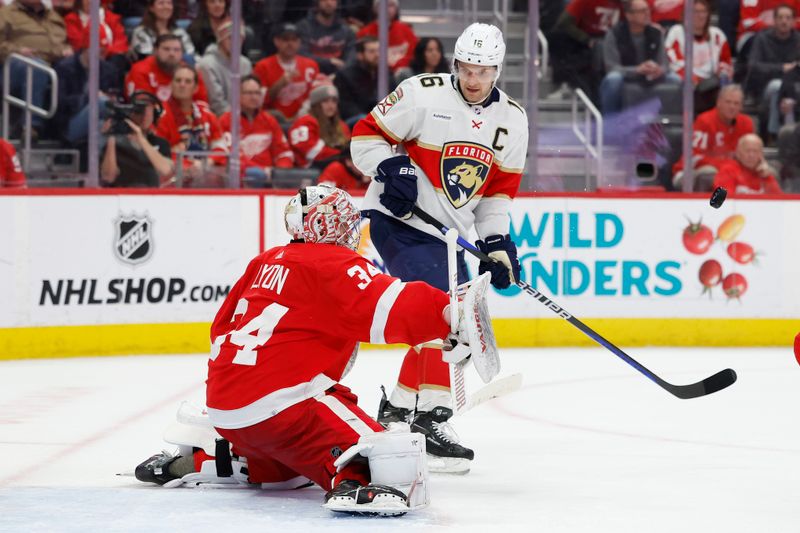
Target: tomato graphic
710, 274
741, 252
730, 228
734, 285
697, 238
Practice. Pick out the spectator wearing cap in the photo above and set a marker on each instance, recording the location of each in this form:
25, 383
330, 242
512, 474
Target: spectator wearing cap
326, 38
321, 135
11, 175
72, 117
402, 39
358, 82
159, 19
154, 74
748, 172
138, 157
31, 29
286, 76
215, 69
263, 145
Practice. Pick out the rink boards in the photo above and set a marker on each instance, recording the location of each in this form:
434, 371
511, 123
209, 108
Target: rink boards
103, 272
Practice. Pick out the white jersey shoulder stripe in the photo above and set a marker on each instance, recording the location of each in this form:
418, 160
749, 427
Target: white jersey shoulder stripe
269, 405
382, 310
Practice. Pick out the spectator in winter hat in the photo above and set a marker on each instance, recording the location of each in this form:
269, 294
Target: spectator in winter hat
321, 135
214, 67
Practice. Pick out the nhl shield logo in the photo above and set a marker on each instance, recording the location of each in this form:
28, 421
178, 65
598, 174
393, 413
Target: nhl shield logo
133, 238
464, 169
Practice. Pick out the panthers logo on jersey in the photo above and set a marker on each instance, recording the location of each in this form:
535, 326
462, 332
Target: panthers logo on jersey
464, 168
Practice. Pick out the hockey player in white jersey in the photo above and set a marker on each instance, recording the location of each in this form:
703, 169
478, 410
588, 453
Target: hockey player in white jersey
455, 145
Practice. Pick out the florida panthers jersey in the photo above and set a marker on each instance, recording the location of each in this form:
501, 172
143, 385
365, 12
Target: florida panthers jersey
291, 324
469, 158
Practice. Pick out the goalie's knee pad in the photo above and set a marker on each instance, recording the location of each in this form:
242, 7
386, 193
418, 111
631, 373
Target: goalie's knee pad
397, 459
193, 430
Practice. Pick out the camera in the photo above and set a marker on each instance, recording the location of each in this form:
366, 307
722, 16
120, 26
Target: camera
119, 111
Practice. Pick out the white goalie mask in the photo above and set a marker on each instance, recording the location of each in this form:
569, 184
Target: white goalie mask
480, 44
323, 214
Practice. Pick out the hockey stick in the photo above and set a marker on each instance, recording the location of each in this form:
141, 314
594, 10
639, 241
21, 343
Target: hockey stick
458, 389
710, 385
495, 389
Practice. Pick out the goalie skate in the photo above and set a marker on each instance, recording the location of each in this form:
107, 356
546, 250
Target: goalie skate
445, 454
371, 500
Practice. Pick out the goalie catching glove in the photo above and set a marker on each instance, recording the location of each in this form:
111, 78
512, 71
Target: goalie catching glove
399, 178
474, 337
505, 267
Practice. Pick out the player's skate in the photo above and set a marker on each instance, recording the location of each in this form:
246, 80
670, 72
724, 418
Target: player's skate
445, 454
388, 413
156, 469
351, 497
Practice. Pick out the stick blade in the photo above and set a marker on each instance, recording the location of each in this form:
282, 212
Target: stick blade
710, 385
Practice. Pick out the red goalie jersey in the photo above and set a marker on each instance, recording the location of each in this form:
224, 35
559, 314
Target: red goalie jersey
291, 324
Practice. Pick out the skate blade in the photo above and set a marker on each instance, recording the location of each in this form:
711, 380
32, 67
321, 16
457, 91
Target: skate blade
448, 465
383, 508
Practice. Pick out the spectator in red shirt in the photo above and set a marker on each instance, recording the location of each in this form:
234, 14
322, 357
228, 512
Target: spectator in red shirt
716, 134
154, 74
577, 58
402, 39
343, 174
262, 146
320, 135
188, 126
748, 172
287, 76
11, 174
77, 23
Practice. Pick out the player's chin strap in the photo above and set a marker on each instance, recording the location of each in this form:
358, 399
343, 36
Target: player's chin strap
710, 385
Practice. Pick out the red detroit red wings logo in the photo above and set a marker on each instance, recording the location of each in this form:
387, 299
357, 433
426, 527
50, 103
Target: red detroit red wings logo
464, 169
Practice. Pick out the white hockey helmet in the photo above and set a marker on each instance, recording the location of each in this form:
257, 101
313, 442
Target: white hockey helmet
480, 44
323, 214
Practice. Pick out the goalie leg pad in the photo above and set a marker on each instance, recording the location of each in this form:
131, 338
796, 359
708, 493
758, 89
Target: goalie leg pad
476, 325
397, 459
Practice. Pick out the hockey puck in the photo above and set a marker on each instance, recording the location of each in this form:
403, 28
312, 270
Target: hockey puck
717, 197
797, 348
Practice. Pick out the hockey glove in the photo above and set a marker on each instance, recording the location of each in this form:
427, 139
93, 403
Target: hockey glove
505, 268
399, 185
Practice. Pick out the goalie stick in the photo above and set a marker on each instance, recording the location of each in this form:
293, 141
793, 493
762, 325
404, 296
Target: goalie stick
710, 385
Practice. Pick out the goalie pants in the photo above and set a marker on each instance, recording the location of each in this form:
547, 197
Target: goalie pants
413, 255
305, 439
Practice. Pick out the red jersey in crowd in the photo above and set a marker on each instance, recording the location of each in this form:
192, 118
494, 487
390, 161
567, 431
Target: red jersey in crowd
294, 94
291, 324
757, 15
340, 175
10, 170
714, 141
666, 10
146, 76
306, 143
110, 24
711, 56
198, 130
402, 42
262, 143
737, 178
595, 17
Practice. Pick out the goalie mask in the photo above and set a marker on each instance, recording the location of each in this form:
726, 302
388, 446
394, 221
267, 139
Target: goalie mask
323, 214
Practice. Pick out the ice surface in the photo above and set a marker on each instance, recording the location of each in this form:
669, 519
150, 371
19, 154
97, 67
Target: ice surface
588, 444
